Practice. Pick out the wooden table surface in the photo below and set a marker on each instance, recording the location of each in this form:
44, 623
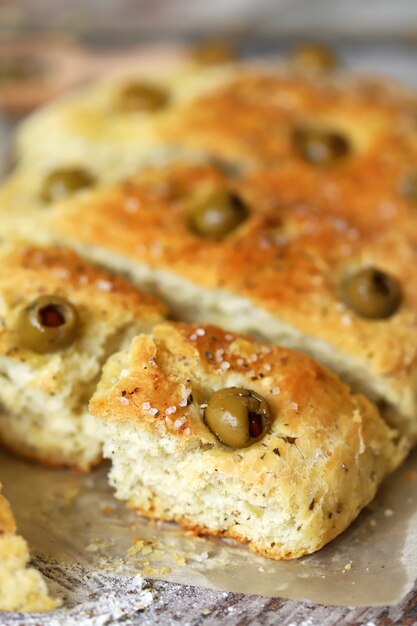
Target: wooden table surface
191, 606
195, 607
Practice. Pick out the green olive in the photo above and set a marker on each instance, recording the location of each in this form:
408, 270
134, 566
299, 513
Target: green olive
409, 187
321, 147
142, 97
217, 215
213, 52
238, 417
371, 293
64, 182
314, 57
48, 324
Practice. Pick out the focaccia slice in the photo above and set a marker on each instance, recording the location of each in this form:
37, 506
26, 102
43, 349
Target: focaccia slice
61, 318
287, 486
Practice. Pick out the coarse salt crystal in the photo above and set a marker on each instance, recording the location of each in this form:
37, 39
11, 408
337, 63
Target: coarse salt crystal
131, 205
153, 411
346, 320
193, 337
225, 365
240, 362
275, 391
124, 372
183, 402
170, 410
155, 249
123, 400
146, 406
61, 272
267, 367
187, 431
178, 423
219, 354
104, 285
228, 337
294, 405
200, 332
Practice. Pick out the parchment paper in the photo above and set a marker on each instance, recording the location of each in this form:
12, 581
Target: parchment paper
72, 519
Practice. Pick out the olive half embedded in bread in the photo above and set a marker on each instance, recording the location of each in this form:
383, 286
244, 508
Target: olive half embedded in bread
238, 417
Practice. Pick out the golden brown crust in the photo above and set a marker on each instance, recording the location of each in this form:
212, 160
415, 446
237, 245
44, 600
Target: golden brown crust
327, 449
251, 117
293, 381
289, 258
28, 271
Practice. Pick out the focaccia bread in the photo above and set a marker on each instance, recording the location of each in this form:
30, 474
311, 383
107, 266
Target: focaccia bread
247, 114
22, 588
286, 469
61, 318
298, 274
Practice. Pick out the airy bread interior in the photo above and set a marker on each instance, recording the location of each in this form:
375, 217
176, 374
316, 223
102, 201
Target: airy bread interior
57, 428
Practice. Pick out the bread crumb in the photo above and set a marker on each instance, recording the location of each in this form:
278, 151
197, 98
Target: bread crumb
180, 560
149, 571
388, 512
348, 566
135, 549
136, 539
107, 510
70, 496
158, 554
410, 476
